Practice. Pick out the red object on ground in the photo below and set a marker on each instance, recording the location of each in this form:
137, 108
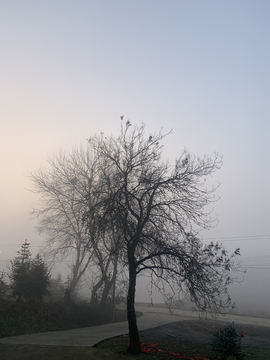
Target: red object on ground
150, 348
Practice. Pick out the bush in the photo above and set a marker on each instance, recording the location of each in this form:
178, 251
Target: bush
227, 342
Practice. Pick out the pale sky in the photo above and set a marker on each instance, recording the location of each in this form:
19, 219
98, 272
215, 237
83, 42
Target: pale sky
69, 69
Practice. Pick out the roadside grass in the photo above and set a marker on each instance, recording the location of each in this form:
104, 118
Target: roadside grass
34, 352
28, 318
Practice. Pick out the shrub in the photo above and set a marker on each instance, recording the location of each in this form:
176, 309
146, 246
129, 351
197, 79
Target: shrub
227, 342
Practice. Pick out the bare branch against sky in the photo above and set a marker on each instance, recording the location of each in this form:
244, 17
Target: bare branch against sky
69, 70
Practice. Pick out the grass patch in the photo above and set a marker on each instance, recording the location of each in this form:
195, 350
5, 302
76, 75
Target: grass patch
29, 318
257, 354
34, 352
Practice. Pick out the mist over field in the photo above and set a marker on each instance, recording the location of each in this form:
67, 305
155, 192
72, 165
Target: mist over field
71, 70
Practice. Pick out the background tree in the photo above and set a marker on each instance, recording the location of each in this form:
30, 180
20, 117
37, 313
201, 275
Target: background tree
20, 267
56, 288
29, 278
4, 287
67, 190
106, 253
160, 208
38, 280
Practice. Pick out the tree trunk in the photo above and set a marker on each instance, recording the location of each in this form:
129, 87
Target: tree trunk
73, 284
114, 285
105, 293
134, 337
107, 287
94, 291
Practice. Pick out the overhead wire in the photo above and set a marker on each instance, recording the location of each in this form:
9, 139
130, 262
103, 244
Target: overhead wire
254, 262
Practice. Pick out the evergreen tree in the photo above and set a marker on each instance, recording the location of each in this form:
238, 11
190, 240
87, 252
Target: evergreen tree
38, 280
57, 288
3, 285
30, 279
20, 268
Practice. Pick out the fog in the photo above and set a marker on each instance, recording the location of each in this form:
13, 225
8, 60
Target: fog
69, 70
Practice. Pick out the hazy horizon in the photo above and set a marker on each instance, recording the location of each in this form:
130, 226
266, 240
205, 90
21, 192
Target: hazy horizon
71, 69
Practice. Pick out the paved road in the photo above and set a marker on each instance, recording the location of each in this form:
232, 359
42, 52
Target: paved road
178, 315
152, 317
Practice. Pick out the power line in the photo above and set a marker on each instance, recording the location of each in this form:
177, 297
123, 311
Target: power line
256, 267
260, 256
223, 239
239, 238
248, 236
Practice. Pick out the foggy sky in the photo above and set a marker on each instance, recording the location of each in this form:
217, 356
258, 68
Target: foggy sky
71, 68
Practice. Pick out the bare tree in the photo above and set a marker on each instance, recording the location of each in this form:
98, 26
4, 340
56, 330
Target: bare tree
106, 252
160, 209
67, 190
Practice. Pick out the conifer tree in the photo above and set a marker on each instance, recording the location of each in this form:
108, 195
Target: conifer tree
30, 278
20, 268
38, 279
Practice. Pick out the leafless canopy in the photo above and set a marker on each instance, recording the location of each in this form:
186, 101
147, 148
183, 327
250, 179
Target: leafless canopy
160, 208
66, 189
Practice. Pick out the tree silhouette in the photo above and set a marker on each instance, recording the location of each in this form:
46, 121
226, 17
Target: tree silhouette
159, 208
30, 279
38, 280
67, 192
3, 285
20, 267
